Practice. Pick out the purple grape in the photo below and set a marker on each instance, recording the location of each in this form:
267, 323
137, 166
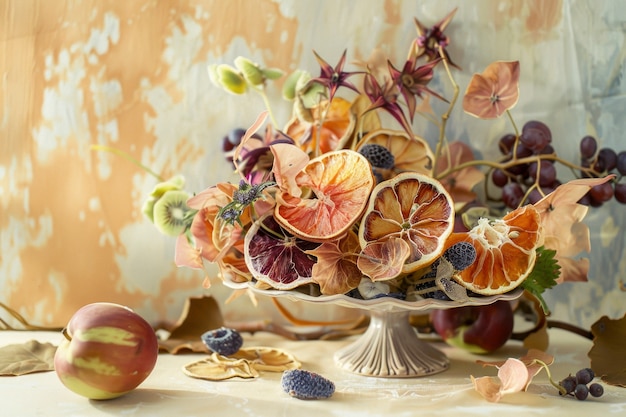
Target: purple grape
519, 169
585, 200
581, 392
599, 166
584, 376
588, 147
620, 192
506, 143
512, 195
548, 150
569, 384
499, 178
621, 162
601, 193
596, 390
535, 135
534, 196
547, 174
522, 151
608, 158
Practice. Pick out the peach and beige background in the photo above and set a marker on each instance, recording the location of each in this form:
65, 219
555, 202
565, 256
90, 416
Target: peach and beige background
133, 75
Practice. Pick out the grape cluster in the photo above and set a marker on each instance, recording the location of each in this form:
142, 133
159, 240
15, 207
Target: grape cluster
528, 169
580, 385
524, 178
600, 162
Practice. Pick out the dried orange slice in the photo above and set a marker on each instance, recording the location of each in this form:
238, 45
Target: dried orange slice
340, 183
337, 127
410, 154
505, 251
415, 208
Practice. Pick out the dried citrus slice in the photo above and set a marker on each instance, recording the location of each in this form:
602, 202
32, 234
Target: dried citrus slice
337, 127
505, 251
340, 183
277, 258
413, 207
409, 154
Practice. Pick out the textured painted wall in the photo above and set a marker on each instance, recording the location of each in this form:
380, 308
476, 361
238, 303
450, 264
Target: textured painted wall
133, 75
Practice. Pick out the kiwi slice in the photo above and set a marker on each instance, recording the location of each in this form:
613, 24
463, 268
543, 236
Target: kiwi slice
147, 208
170, 212
175, 183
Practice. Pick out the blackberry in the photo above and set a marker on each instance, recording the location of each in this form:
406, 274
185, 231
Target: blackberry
224, 341
460, 255
378, 155
306, 385
427, 288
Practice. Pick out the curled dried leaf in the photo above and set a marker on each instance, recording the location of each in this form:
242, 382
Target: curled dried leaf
199, 315
26, 358
608, 354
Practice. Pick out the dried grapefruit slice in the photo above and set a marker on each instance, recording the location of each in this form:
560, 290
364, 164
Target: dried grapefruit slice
415, 208
340, 183
505, 251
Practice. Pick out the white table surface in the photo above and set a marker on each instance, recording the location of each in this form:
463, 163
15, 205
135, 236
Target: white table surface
169, 392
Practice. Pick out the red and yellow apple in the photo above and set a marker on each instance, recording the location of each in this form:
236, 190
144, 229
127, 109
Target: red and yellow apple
478, 329
109, 350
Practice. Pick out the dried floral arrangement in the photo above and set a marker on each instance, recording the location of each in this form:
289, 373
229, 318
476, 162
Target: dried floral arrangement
347, 199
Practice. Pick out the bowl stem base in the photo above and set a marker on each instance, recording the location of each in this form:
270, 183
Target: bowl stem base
391, 348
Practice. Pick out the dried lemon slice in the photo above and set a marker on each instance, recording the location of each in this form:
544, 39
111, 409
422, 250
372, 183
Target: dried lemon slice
268, 359
218, 368
246, 363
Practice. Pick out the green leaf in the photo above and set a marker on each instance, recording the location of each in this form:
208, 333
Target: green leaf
26, 358
543, 276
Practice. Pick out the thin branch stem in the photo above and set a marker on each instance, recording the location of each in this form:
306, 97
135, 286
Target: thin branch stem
128, 157
268, 106
446, 115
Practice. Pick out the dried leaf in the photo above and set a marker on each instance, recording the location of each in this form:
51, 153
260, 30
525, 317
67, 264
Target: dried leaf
608, 353
199, 315
334, 271
218, 368
514, 375
384, 260
268, 359
26, 358
563, 230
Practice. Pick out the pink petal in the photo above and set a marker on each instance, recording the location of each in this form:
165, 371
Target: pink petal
289, 160
513, 376
488, 387
187, 255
